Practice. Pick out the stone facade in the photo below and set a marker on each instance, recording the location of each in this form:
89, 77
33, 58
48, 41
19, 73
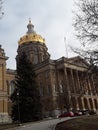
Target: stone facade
5, 87
63, 83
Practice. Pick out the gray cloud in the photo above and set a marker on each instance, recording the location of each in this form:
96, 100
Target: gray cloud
52, 20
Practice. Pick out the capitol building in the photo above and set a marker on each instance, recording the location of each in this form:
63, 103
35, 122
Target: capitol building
62, 83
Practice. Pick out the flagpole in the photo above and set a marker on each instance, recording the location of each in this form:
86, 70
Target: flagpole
66, 47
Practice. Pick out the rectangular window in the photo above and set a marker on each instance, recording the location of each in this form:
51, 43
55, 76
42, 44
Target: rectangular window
47, 74
41, 89
35, 59
48, 89
53, 73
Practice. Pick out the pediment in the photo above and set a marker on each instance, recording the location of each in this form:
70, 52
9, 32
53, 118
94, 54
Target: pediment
78, 61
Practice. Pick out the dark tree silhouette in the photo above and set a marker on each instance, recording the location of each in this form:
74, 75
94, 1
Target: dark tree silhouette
25, 99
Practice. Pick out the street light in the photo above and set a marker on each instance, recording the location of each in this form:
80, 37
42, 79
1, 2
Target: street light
18, 109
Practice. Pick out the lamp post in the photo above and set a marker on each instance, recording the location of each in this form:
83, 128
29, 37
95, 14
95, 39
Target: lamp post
18, 108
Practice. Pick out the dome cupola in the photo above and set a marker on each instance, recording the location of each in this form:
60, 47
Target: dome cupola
31, 36
33, 45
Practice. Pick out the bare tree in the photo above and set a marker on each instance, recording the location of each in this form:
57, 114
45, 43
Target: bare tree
86, 21
86, 29
1, 12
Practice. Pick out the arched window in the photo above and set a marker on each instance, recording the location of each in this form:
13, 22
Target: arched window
35, 59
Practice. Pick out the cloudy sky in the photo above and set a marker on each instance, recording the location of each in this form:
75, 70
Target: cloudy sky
52, 19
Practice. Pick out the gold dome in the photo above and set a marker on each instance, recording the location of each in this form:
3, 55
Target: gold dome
31, 36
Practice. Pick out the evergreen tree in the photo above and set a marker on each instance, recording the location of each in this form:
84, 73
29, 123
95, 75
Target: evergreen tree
26, 104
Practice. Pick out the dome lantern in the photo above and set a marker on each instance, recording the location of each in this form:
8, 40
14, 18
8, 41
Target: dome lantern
30, 27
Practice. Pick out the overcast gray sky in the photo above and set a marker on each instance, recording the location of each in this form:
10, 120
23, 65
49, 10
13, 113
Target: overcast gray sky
52, 19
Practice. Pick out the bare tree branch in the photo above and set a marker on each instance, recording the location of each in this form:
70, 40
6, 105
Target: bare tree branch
86, 21
1, 12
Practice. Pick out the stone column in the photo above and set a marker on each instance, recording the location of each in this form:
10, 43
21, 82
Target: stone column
4, 77
94, 108
97, 105
89, 85
73, 81
68, 92
77, 104
78, 81
97, 102
82, 102
57, 97
81, 83
93, 85
88, 104
66, 77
